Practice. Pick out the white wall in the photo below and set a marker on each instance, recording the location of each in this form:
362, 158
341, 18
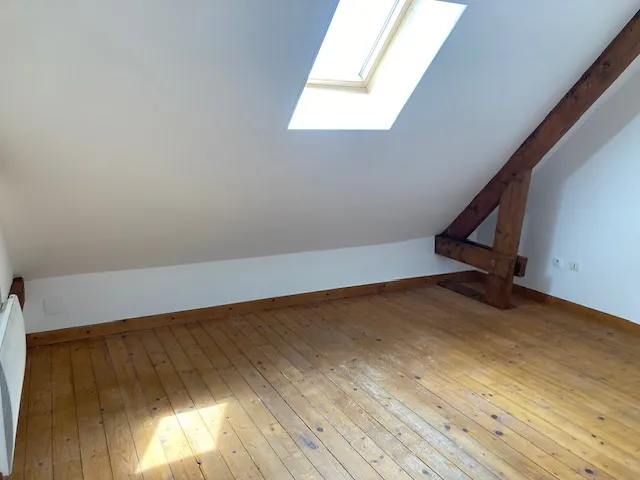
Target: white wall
6, 272
107, 296
584, 206
140, 134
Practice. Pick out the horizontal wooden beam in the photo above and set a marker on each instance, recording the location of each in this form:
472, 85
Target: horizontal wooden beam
521, 262
620, 53
480, 256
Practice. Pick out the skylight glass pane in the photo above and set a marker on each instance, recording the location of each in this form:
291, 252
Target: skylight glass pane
411, 39
353, 40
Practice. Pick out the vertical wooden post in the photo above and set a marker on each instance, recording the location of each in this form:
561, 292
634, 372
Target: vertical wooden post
507, 238
17, 288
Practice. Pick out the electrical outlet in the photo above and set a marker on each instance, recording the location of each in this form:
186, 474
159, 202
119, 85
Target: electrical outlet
557, 262
574, 266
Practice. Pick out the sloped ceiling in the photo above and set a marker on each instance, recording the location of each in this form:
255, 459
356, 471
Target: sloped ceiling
154, 132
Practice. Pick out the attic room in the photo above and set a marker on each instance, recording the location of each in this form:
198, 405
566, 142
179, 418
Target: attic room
339, 239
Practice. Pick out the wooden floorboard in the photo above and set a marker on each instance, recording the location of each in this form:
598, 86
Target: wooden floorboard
203, 445
94, 453
66, 446
38, 456
400, 385
125, 459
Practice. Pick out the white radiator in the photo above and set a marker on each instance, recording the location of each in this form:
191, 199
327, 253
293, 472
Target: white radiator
13, 355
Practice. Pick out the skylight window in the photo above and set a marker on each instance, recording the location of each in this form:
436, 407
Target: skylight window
355, 42
372, 58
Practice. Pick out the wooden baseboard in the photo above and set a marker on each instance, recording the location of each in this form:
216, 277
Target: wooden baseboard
475, 277
223, 311
595, 315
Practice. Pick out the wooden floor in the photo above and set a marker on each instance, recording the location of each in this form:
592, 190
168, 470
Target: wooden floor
421, 384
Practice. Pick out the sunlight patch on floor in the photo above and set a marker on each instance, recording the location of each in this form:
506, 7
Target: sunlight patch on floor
183, 435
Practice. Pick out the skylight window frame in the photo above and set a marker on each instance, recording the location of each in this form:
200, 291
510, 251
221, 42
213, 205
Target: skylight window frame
378, 50
407, 56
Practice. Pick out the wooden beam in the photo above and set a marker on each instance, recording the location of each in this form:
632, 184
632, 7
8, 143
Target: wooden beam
607, 68
507, 238
17, 288
480, 256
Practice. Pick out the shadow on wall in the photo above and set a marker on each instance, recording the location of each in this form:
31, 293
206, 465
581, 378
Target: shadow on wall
547, 189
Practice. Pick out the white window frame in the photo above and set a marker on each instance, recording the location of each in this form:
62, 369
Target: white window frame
368, 70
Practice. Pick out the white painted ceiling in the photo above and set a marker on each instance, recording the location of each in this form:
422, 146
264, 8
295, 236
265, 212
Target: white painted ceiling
154, 132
